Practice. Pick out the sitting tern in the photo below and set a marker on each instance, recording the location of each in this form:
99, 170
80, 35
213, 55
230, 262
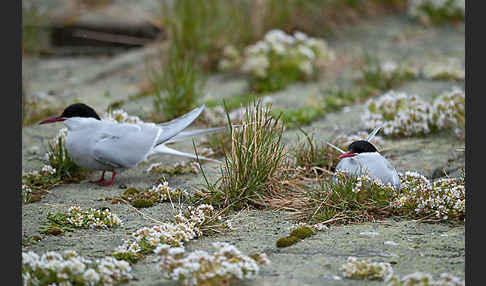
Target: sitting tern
97, 144
364, 158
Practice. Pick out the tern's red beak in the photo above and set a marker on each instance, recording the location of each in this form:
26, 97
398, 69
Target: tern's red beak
347, 154
53, 119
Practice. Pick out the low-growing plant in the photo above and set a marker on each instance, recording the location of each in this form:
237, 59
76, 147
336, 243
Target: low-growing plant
77, 218
69, 268
444, 198
383, 271
367, 270
36, 183
385, 75
436, 12
61, 170
347, 199
280, 59
186, 226
144, 198
425, 279
402, 114
224, 267
59, 159
444, 69
252, 163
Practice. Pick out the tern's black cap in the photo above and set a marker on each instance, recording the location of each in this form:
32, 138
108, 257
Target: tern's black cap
79, 110
361, 146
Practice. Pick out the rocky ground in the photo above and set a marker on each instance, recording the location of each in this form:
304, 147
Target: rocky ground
432, 248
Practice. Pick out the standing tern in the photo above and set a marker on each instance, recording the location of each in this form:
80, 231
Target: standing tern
97, 144
363, 157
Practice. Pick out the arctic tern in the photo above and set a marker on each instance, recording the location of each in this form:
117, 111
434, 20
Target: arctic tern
363, 157
97, 144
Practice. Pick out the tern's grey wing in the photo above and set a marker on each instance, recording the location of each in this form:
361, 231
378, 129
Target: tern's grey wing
174, 127
375, 165
395, 180
350, 165
124, 145
379, 167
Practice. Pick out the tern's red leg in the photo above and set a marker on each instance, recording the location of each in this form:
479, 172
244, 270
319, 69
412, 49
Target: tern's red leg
101, 180
106, 184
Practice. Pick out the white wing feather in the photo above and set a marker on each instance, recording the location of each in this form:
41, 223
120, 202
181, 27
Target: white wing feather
166, 150
373, 133
192, 133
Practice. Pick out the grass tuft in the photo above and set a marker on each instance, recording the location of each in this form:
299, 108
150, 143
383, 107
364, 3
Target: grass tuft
253, 162
176, 86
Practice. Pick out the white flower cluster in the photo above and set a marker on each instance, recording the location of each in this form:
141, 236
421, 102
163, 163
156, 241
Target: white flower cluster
425, 279
186, 227
405, 115
441, 69
92, 218
202, 268
205, 151
121, 116
449, 68
390, 69
26, 192
46, 170
279, 50
449, 109
61, 134
443, 198
315, 227
422, 9
365, 269
363, 182
231, 59
164, 192
68, 268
